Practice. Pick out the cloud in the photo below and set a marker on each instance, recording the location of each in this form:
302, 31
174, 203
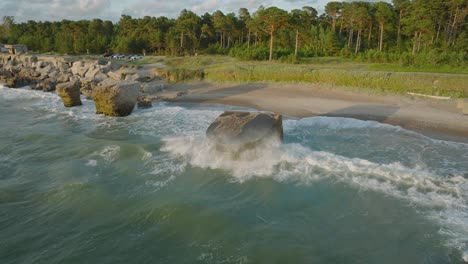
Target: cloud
41, 10
24, 10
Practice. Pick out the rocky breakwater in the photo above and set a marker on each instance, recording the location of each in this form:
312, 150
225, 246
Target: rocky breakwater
45, 72
115, 87
238, 131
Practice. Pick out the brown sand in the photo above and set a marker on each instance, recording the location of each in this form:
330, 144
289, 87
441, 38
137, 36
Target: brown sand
436, 118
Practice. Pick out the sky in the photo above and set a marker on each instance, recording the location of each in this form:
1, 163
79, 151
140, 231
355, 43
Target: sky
52, 10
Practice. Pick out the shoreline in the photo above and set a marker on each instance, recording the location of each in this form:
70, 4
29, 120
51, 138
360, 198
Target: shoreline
436, 119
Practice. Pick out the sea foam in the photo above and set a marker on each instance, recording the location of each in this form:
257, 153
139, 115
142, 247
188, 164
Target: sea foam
444, 198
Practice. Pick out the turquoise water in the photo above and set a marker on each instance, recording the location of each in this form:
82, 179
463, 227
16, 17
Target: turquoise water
76, 187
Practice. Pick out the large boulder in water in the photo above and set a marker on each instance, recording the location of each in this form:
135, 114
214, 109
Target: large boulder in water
116, 99
240, 128
70, 93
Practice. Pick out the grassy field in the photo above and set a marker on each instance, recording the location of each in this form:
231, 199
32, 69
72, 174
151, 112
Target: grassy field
378, 78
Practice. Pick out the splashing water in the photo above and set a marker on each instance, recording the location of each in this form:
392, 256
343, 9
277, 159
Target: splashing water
150, 186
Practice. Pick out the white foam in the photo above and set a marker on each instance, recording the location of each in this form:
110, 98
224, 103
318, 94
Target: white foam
445, 199
146, 156
339, 123
110, 153
161, 184
34, 100
91, 163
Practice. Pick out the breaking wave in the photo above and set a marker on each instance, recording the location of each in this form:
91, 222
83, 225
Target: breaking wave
443, 197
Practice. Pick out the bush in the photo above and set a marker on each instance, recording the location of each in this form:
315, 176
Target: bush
179, 75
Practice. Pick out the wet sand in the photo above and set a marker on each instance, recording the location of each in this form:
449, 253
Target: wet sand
439, 119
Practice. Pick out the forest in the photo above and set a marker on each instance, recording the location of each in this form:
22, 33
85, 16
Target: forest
414, 32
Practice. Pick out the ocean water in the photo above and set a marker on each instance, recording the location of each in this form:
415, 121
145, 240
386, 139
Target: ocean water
76, 187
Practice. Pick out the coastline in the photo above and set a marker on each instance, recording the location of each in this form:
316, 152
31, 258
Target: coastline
433, 118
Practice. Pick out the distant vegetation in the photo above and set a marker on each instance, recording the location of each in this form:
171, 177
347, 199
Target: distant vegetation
325, 71
417, 33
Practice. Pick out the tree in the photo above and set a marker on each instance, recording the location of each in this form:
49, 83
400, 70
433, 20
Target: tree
401, 6
331, 45
272, 19
302, 20
244, 18
333, 9
188, 25
5, 28
418, 23
361, 17
435, 27
383, 14
458, 13
220, 26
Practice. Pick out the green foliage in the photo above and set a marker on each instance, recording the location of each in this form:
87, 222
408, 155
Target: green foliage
381, 82
416, 33
430, 58
331, 44
180, 75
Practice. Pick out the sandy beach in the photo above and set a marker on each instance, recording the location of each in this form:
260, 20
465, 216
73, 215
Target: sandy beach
438, 119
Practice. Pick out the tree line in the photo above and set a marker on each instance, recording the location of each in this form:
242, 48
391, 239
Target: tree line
373, 29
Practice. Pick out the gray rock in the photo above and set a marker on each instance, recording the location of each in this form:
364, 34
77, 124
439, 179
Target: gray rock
116, 99
108, 82
139, 77
182, 93
144, 102
152, 87
45, 70
47, 85
62, 66
115, 75
5, 73
240, 128
92, 72
80, 68
70, 93
64, 77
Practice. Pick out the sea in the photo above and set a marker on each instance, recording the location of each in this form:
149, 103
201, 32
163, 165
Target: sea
76, 187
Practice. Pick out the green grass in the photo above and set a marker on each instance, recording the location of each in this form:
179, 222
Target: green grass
454, 86
379, 78
427, 69
147, 60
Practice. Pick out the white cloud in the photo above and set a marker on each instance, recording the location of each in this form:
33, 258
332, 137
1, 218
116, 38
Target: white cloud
43, 10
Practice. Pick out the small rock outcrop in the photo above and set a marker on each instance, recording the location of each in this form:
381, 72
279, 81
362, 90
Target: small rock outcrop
70, 93
240, 128
47, 85
144, 102
116, 99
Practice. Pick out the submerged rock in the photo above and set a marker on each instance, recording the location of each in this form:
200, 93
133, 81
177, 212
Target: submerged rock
70, 93
245, 128
116, 99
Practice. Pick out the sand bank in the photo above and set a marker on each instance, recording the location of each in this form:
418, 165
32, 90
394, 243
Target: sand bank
435, 118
